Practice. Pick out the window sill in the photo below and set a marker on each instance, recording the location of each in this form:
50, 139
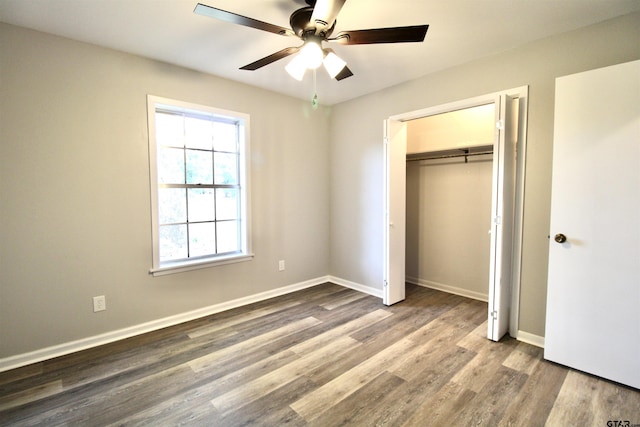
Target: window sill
197, 265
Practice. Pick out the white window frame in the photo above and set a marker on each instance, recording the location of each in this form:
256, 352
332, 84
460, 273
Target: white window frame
155, 103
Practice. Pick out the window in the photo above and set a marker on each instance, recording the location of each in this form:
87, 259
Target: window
199, 185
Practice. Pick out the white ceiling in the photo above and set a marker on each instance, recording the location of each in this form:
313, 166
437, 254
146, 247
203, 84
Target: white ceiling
168, 30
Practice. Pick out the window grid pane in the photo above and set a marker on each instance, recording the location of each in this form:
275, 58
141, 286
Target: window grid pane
226, 168
202, 239
201, 203
172, 207
171, 165
198, 133
228, 236
169, 129
173, 242
226, 137
199, 166
227, 204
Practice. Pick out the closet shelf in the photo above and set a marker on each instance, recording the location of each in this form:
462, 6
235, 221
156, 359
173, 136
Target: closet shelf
448, 154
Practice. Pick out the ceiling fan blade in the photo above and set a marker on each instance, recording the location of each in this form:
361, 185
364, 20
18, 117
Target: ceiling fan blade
325, 13
346, 72
411, 34
234, 18
271, 58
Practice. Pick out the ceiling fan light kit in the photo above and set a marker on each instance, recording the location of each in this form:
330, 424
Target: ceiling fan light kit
312, 59
312, 54
314, 25
333, 64
296, 67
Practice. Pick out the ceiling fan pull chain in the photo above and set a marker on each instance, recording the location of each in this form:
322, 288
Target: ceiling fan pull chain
314, 100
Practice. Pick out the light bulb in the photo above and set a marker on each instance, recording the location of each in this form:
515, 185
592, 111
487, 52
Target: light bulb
312, 54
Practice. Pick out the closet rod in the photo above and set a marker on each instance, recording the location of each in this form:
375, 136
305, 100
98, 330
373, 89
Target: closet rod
448, 156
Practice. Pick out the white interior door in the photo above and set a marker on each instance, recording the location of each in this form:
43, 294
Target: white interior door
502, 214
394, 218
593, 297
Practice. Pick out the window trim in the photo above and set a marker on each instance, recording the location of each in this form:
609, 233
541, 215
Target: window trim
155, 103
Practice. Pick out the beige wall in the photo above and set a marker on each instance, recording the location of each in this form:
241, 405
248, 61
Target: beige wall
469, 127
74, 191
448, 219
356, 156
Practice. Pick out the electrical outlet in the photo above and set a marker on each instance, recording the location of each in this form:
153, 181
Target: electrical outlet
281, 265
99, 303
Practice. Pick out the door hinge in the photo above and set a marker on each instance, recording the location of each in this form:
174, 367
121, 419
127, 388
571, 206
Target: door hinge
494, 315
386, 140
497, 220
385, 284
500, 124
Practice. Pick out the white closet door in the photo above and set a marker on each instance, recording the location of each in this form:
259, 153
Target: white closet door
593, 297
395, 207
504, 169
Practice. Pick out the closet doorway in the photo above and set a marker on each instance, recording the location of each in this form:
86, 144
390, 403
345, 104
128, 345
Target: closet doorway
453, 202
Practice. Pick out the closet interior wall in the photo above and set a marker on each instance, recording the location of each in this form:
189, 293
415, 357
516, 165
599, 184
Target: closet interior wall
449, 204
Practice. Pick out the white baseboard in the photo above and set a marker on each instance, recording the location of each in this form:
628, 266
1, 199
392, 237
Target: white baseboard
355, 286
447, 288
19, 360
532, 339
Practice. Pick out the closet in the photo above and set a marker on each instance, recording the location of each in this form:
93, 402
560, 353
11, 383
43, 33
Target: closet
449, 174
439, 221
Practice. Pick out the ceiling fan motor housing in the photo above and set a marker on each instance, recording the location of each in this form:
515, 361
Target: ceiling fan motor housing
301, 24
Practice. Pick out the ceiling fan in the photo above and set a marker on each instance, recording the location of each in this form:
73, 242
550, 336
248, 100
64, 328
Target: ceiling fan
314, 25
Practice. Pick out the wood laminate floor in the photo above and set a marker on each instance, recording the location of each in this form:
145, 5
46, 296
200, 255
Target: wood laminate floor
324, 356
